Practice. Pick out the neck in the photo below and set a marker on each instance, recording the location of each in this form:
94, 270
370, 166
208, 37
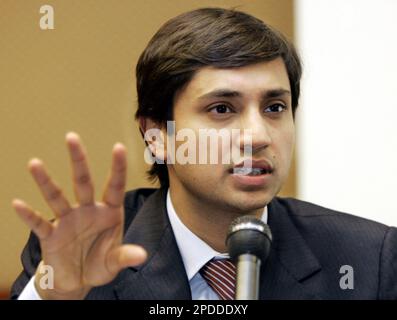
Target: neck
209, 222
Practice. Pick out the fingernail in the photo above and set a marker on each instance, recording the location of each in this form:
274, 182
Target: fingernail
34, 162
17, 202
71, 135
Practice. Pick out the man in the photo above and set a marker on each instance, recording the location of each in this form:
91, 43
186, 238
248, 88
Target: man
206, 69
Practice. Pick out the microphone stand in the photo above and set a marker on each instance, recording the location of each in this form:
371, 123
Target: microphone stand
247, 284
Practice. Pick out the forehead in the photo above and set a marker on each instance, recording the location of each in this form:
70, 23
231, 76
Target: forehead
249, 79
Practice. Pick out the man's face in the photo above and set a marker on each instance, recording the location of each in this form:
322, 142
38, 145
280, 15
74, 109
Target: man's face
255, 97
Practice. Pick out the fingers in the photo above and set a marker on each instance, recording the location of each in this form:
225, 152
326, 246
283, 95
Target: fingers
114, 190
83, 185
124, 256
41, 227
51, 192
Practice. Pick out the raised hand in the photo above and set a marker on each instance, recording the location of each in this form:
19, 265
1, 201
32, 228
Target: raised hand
83, 244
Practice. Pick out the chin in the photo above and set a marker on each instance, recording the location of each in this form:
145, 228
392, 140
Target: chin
256, 196
250, 203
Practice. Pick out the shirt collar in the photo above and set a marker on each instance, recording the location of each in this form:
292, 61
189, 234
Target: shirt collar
194, 251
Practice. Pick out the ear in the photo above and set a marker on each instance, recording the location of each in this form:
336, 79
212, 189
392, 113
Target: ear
153, 134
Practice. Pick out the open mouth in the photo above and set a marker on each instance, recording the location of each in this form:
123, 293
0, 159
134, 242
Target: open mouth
243, 171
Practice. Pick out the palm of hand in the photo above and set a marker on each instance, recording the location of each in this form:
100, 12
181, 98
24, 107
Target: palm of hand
83, 244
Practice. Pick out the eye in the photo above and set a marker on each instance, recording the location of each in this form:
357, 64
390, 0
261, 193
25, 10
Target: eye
276, 108
220, 108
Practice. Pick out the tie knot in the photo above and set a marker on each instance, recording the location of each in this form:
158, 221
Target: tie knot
221, 277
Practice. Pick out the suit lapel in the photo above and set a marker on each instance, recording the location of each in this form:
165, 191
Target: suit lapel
163, 276
292, 270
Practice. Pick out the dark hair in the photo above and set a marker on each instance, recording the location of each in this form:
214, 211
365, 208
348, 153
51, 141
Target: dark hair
217, 37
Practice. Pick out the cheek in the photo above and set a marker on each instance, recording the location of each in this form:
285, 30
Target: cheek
285, 146
205, 177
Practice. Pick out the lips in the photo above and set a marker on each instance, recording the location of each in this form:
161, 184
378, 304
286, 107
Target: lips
252, 168
249, 171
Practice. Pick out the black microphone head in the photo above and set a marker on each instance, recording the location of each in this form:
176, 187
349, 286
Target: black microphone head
249, 235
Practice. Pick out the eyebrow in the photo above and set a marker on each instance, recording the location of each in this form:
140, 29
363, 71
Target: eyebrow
227, 93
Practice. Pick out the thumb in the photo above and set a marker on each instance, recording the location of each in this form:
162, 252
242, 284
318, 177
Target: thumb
127, 255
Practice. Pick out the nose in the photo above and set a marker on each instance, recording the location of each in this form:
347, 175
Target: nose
254, 131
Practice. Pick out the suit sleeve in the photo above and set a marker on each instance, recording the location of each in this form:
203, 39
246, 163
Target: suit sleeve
388, 266
31, 257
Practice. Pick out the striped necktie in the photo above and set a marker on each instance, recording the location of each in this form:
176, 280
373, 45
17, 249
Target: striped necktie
221, 277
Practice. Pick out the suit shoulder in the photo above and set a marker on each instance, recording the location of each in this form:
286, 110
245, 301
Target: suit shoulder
338, 239
303, 210
133, 201
136, 197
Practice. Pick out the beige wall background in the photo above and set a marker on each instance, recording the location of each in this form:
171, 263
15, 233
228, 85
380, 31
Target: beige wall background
80, 77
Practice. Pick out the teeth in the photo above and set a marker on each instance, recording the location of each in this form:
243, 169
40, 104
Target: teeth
249, 171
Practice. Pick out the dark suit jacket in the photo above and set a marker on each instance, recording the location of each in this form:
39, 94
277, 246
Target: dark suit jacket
310, 244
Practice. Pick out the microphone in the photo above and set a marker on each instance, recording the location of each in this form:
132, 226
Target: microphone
248, 242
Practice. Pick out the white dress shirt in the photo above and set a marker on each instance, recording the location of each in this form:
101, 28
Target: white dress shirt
193, 259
